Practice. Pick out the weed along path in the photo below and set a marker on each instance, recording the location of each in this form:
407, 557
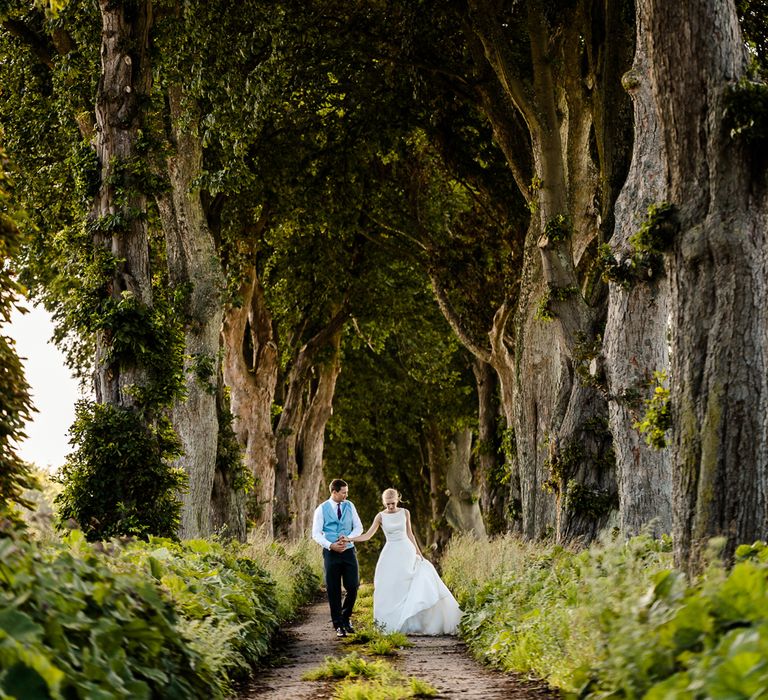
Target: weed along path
442, 662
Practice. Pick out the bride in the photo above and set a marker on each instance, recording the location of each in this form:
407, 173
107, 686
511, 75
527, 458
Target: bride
408, 594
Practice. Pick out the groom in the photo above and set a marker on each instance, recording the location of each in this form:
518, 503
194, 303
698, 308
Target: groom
335, 519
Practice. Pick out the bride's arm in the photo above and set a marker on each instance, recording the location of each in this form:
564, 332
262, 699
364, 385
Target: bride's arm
410, 532
371, 531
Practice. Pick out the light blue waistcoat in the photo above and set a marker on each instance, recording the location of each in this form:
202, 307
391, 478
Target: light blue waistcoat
332, 525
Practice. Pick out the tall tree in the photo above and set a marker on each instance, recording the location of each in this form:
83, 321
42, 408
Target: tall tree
715, 181
90, 68
635, 344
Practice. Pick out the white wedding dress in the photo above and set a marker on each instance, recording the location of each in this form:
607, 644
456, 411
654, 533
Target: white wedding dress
408, 594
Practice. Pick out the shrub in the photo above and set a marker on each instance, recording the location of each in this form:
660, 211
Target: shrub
616, 620
124, 485
546, 610
136, 619
72, 627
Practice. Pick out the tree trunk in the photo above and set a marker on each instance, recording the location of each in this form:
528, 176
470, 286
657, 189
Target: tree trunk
492, 492
301, 430
438, 533
503, 362
308, 488
194, 267
556, 415
122, 92
250, 372
497, 357
635, 340
229, 505
463, 508
537, 362
719, 382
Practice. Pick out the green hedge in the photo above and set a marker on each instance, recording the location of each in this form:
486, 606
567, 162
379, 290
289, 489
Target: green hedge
616, 620
139, 619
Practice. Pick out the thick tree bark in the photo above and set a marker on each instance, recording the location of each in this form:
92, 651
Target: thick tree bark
301, 429
719, 382
635, 340
229, 504
250, 371
493, 503
463, 508
555, 415
538, 366
123, 89
193, 265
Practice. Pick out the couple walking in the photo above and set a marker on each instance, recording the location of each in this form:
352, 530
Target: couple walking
408, 594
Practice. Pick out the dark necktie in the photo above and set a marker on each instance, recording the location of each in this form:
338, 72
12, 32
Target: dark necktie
338, 511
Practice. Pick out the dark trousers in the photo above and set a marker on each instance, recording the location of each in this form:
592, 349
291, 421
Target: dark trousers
341, 567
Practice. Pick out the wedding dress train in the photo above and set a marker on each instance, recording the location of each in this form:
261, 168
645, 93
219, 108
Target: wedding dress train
408, 594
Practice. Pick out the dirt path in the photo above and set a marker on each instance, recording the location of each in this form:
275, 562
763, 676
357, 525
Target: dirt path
441, 661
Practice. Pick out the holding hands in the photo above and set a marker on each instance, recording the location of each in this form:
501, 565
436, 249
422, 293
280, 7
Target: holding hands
341, 544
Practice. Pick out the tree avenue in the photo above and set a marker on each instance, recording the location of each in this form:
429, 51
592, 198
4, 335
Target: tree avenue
506, 257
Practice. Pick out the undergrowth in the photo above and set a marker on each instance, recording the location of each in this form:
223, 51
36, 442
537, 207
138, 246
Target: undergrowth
362, 679
135, 619
615, 620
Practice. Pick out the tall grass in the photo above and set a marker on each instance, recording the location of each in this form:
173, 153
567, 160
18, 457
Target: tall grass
295, 567
615, 620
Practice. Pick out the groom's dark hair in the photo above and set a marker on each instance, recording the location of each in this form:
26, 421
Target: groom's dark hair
337, 485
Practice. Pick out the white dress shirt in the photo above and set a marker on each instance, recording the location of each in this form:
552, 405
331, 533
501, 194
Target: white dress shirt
317, 524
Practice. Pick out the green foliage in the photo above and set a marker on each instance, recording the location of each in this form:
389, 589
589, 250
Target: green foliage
544, 310
119, 480
15, 403
369, 680
585, 351
548, 611
615, 620
350, 666
508, 450
296, 569
204, 368
73, 627
558, 229
144, 336
647, 245
229, 452
139, 620
658, 414
591, 502
657, 232
746, 113
754, 25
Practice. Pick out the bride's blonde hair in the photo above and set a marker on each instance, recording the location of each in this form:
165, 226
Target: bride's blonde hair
390, 493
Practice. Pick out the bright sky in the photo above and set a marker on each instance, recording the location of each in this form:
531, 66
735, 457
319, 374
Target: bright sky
54, 391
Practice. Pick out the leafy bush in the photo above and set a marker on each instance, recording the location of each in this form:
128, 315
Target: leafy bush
138, 619
124, 485
15, 402
70, 626
616, 620
546, 610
